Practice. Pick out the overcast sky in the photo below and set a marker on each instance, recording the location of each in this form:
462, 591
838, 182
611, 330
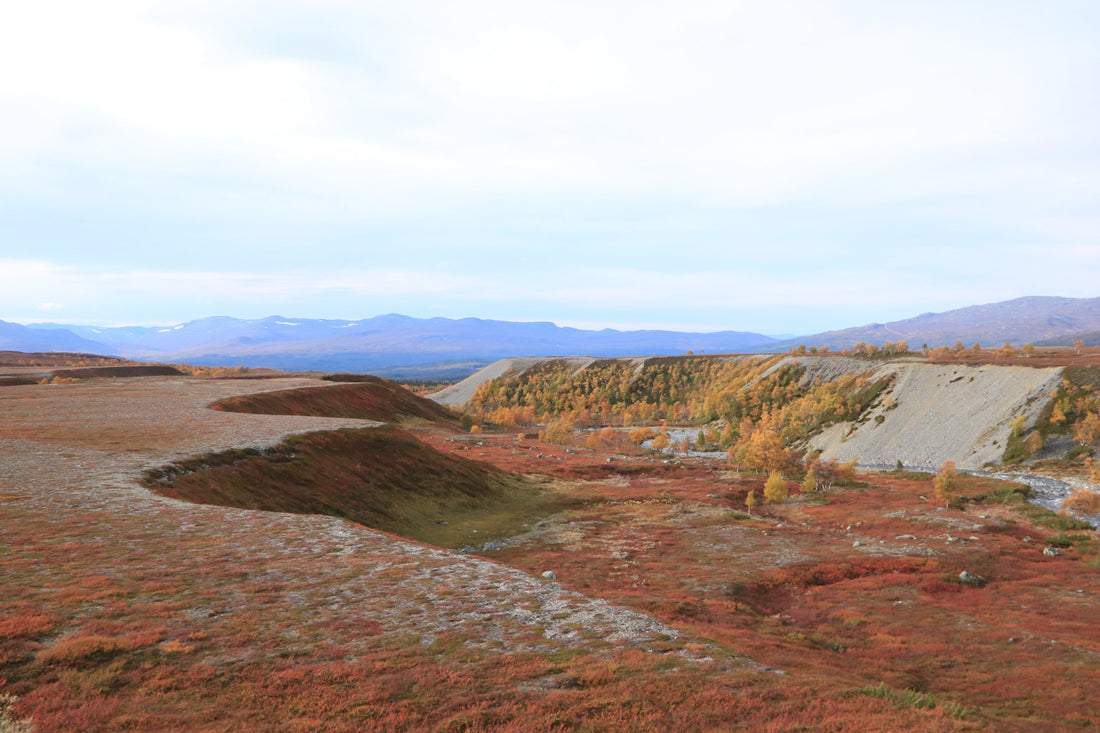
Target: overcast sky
769, 166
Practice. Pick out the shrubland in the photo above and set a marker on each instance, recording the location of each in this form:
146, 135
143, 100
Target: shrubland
835, 603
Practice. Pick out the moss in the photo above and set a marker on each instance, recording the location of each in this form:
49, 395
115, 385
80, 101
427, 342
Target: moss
1044, 517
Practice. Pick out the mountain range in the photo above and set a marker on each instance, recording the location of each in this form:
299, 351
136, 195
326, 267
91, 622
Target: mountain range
394, 345
1033, 319
400, 346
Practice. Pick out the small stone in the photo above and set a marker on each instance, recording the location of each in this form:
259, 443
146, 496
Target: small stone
857, 543
1051, 551
549, 575
906, 537
971, 579
1027, 539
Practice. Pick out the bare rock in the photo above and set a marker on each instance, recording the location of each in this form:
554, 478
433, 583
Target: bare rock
968, 578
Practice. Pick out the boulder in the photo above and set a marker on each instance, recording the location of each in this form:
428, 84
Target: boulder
968, 578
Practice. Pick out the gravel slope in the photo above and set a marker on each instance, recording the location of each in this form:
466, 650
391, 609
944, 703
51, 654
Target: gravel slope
942, 412
461, 393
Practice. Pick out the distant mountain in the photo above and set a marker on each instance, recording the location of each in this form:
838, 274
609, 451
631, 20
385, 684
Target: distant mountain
15, 337
397, 345
1019, 321
1092, 338
383, 343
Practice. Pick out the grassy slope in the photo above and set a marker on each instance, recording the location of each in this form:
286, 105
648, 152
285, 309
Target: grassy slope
383, 478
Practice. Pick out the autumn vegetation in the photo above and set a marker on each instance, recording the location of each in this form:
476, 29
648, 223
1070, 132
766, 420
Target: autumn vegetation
833, 603
1072, 410
756, 411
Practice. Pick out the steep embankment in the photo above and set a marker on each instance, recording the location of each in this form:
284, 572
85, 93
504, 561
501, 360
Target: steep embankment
926, 413
933, 413
381, 477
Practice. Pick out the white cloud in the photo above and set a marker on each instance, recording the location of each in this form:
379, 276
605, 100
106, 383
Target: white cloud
755, 102
603, 131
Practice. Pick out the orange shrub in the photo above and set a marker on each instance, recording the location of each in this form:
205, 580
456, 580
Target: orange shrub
71, 650
176, 647
1082, 501
77, 650
25, 625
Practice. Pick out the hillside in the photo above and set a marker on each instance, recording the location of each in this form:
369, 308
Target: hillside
871, 409
1090, 338
933, 413
383, 478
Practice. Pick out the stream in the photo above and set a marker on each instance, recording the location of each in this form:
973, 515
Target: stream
1049, 492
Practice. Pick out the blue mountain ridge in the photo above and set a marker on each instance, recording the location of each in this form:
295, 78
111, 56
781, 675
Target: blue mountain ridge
380, 342
390, 341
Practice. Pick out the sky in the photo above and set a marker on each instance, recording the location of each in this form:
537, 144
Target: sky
781, 167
